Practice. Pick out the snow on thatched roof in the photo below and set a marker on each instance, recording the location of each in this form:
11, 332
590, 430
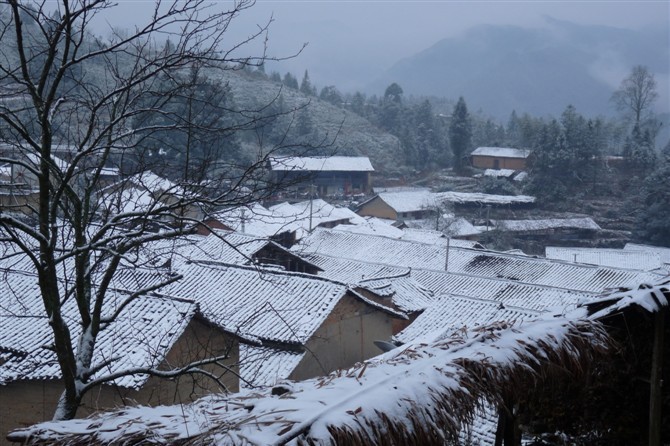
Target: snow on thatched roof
414, 394
650, 296
402, 253
321, 164
501, 152
546, 224
618, 258
480, 198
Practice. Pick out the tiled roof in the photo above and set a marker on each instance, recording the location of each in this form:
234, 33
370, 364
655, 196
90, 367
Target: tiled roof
266, 366
449, 314
324, 163
140, 337
492, 264
272, 306
501, 152
509, 293
618, 258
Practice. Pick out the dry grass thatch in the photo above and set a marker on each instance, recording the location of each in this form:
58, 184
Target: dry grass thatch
423, 394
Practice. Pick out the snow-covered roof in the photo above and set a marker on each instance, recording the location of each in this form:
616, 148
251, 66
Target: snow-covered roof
501, 152
493, 264
414, 387
449, 314
545, 224
460, 227
140, 337
372, 226
266, 366
322, 163
618, 258
256, 220
284, 217
259, 304
499, 173
664, 253
475, 197
411, 201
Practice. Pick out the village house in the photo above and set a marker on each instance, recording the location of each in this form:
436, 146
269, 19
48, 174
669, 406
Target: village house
330, 175
500, 158
402, 205
154, 333
324, 324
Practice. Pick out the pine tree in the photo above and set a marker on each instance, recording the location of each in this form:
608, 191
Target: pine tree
460, 133
306, 87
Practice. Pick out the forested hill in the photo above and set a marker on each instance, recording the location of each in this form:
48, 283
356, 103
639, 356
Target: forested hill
538, 71
335, 129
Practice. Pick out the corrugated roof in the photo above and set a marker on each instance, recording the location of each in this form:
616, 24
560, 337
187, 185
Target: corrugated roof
322, 163
501, 152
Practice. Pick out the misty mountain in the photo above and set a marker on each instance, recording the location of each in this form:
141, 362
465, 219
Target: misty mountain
539, 71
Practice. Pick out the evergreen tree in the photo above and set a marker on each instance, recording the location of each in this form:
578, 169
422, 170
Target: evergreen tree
290, 81
460, 133
306, 87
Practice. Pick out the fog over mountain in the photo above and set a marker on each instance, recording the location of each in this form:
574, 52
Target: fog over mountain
500, 68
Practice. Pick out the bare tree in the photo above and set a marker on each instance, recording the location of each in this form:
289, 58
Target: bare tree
72, 106
637, 93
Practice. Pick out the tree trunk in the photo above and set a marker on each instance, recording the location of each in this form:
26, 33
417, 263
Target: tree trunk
656, 390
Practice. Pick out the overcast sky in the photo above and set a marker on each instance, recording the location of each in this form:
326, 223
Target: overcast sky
352, 42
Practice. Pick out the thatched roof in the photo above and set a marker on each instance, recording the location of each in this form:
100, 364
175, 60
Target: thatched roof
422, 393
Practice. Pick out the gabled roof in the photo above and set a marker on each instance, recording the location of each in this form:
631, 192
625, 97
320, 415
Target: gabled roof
140, 337
501, 152
261, 304
321, 164
406, 201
